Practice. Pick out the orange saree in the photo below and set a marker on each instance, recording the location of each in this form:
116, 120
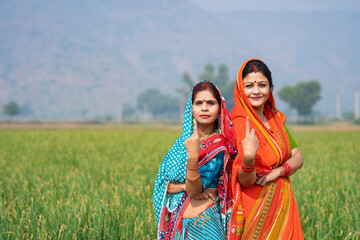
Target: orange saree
268, 212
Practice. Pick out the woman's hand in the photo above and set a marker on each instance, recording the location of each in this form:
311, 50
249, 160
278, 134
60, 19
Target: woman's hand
175, 187
208, 193
271, 176
295, 162
192, 144
250, 145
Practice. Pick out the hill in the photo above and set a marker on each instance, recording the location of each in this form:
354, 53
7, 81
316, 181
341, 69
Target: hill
62, 57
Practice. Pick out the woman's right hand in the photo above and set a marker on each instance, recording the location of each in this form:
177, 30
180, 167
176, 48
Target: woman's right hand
192, 144
250, 145
208, 193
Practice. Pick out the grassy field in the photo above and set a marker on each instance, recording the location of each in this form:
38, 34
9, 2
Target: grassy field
97, 184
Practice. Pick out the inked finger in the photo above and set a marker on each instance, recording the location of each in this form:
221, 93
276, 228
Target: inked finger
247, 126
195, 126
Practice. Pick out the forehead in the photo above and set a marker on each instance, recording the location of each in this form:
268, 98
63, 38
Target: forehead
204, 95
258, 77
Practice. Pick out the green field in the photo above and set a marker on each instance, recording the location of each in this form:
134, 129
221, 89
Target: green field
97, 184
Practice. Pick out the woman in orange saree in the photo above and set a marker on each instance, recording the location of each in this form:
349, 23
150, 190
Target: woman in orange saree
264, 204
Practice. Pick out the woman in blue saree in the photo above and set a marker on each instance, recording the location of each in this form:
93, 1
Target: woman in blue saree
192, 197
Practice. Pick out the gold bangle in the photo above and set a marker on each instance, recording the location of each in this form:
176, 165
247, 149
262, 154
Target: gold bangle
193, 179
194, 169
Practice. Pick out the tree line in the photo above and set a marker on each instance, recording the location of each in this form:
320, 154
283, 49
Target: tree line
153, 104
12, 109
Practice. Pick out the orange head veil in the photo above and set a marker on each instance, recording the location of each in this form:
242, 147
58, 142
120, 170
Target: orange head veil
274, 147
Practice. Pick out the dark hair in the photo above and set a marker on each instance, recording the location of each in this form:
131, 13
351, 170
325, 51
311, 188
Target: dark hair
203, 86
206, 85
258, 66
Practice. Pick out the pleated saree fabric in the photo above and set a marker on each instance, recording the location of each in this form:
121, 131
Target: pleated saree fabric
268, 212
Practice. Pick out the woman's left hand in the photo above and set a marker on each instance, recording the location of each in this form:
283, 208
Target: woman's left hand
271, 176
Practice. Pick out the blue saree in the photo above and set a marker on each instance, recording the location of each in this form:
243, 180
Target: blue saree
170, 207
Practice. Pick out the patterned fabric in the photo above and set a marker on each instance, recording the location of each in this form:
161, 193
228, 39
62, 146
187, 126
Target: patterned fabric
205, 226
268, 212
169, 207
210, 172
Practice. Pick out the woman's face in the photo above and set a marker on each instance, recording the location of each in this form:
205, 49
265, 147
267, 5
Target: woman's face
205, 108
257, 89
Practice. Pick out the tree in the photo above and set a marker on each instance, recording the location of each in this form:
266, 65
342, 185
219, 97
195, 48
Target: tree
222, 77
158, 104
127, 111
208, 73
302, 96
188, 84
349, 115
11, 109
221, 80
228, 93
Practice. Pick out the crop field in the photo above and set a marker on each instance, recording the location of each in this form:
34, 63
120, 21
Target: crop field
97, 183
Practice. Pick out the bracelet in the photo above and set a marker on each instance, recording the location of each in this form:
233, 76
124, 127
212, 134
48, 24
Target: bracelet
287, 169
194, 169
193, 179
248, 169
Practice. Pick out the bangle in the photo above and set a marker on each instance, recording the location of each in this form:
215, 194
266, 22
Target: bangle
194, 169
248, 169
193, 179
287, 169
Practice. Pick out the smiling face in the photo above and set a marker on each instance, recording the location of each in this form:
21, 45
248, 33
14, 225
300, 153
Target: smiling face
257, 90
206, 108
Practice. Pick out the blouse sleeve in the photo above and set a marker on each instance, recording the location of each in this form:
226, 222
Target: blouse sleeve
291, 139
210, 172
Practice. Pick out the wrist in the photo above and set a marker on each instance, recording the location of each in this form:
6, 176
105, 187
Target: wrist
287, 169
281, 170
248, 169
193, 158
248, 161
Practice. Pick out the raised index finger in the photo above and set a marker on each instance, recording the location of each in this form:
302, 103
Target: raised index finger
195, 126
247, 126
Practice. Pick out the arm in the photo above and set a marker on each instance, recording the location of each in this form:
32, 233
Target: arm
210, 171
193, 185
247, 179
209, 174
175, 187
250, 145
295, 162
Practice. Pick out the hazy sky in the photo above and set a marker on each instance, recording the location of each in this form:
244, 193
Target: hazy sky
279, 4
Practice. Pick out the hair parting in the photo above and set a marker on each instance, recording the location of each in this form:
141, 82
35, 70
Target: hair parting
254, 67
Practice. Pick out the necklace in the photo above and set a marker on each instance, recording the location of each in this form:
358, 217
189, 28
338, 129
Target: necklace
206, 136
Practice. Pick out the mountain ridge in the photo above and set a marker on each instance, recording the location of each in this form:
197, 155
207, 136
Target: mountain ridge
61, 57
